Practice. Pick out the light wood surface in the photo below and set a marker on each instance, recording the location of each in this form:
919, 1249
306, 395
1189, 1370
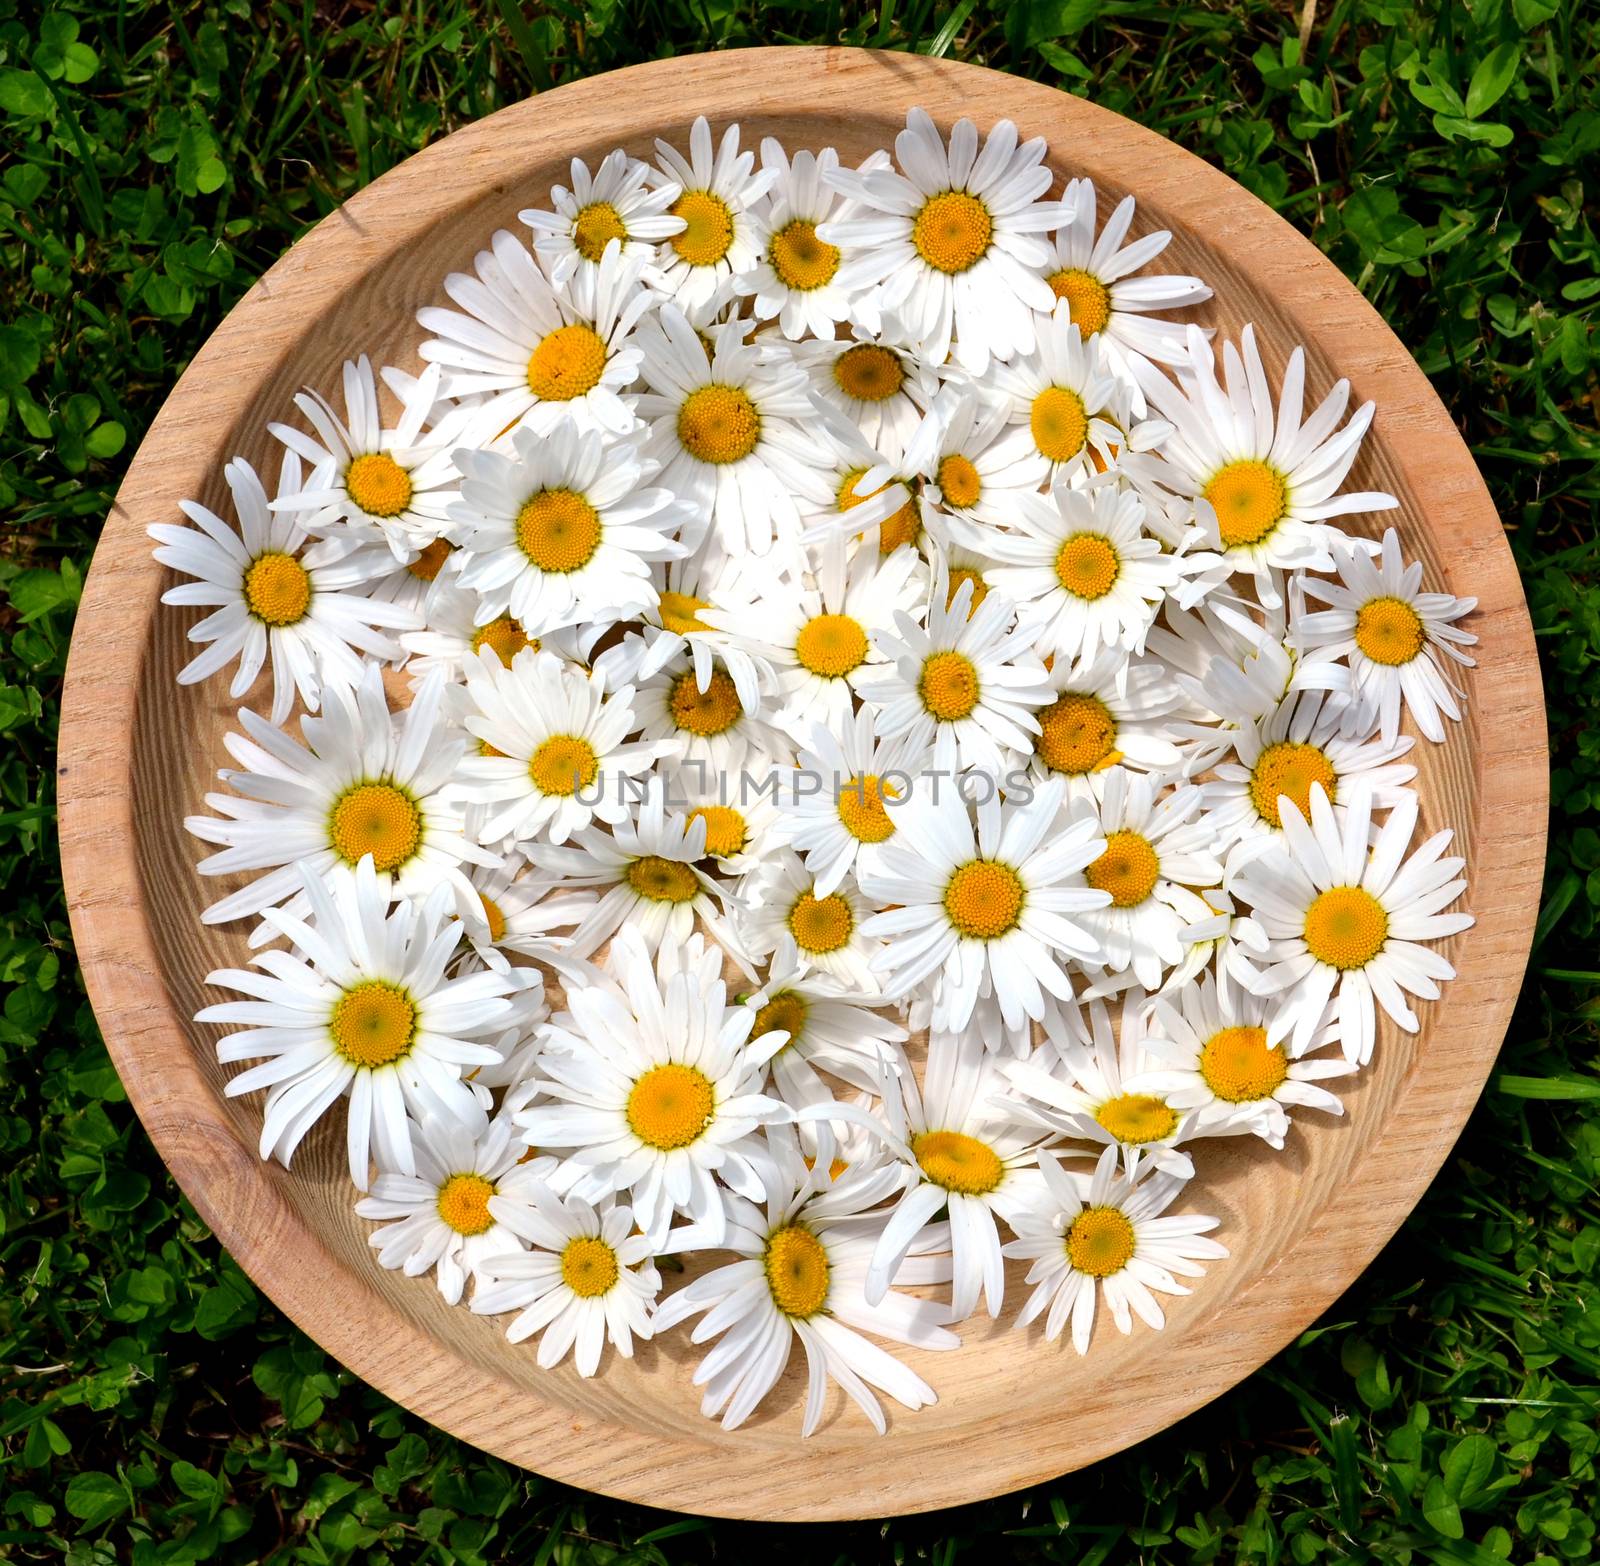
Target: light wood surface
137, 752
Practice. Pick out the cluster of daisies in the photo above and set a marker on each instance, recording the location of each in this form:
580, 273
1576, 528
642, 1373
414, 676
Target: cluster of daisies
795, 612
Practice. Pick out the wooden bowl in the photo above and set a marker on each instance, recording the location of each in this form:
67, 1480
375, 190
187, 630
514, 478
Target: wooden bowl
137, 752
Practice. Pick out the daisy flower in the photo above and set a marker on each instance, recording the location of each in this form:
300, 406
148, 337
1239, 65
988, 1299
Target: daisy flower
965, 685
1268, 481
882, 388
740, 823
1296, 749
555, 755
728, 430
780, 902
803, 1255
991, 914
835, 807
872, 500
1071, 408
969, 1156
951, 243
1394, 636
448, 1216
1155, 859
1213, 1059
367, 1011
364, 783
589, 1278
654, 1086
1080, 568
719, 238
536, 353
831, 1029
563, 528
452, 638
371, 486
1104, 1234
1345, 921
706, 728
510, 911
1092, 274
269, 602
653, 884
615, 202
972, 470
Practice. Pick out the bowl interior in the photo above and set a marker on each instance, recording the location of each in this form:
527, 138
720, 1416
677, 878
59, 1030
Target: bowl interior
1018, 1407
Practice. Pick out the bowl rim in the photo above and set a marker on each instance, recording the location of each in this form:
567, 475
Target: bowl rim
144, 1032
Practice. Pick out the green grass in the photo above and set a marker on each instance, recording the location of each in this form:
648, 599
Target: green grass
157, 157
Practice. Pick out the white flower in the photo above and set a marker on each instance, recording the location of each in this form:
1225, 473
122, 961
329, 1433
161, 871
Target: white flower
719, 237
699, 719
587, 1279
803, 1260
1263, 481
367, 1011
972, 470
612, 203
881, 388
509, 911
564, 528
1393, 634
364, 783
540, 354
1105, 1234
780, 901
269, 601
453, 638
951, 241
987, 915
654, 1087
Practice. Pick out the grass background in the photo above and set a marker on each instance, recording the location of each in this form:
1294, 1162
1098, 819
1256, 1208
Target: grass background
154, 158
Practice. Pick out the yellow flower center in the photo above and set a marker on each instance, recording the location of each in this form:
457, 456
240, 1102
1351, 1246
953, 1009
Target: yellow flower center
595, 227
1288, 769
567, 363
1087, 566
1137, 1118
559, 531
378, 484
709, 232
494, 916
801, 260
726, 831
1077, 735
958, 1162
1346, 927
1128, 869
835, 1168
869, 373
980, 588
680, 613
374, 1023
1088, 299
983, 900
464, 1203
707, 712
1239, 1066
504, 637
786, 1013
861, 808
430, 561
662, 880
831, 645
952, 231
589, 1267
797, 1271
277, 589
380, 819
1389, 631
1100, 1242
562, 765
948, 686
1249, 498
670, 1106
821, 925
903, 527
959, 480
1060, 423
719, 424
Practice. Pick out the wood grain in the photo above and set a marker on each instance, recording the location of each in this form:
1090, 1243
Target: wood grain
136, 753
